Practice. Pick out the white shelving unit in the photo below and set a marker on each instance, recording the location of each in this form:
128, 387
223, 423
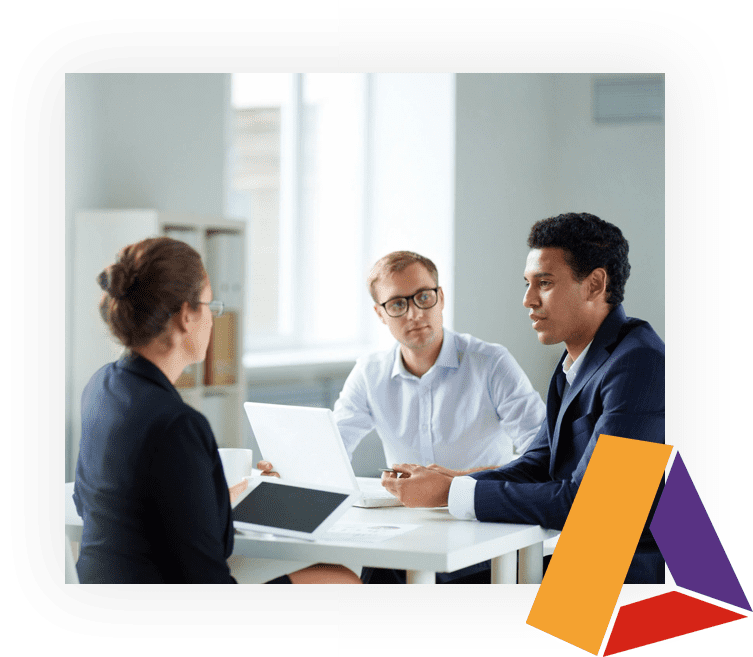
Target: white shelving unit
99, 236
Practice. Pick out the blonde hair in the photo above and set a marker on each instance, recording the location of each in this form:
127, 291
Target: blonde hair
395, 262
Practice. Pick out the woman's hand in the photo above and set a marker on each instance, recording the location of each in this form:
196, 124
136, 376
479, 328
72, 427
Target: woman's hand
267, 469
236, 490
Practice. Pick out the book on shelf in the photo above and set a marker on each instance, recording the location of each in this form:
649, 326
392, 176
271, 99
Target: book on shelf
187, 379
221, 364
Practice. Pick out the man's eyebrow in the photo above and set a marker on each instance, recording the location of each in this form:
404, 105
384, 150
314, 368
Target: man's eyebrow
539, 275
408, 296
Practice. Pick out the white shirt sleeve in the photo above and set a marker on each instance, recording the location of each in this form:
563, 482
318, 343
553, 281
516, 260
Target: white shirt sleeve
352, 412
460, 501
519, 406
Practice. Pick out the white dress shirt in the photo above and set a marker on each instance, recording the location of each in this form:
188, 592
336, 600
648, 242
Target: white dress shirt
463, 489
467, 411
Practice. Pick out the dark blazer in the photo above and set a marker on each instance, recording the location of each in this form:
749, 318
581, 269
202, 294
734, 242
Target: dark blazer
149, 483
618, 391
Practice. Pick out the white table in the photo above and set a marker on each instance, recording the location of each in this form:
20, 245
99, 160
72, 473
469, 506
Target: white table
440, 544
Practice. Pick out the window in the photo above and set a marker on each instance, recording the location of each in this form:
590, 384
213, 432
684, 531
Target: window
297, 170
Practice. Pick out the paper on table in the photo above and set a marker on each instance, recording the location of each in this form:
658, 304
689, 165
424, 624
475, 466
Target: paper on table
364, 532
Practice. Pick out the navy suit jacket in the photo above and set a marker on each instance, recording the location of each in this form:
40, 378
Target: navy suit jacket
618, 391
149, 483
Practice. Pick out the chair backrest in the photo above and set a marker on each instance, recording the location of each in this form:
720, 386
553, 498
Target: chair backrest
71, 575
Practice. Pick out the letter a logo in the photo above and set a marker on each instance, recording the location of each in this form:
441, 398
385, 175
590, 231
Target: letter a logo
598, 542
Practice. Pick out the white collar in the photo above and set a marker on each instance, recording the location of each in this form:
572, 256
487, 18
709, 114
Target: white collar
570, 367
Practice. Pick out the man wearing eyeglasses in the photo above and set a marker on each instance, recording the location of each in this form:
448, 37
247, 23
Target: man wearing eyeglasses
439, 398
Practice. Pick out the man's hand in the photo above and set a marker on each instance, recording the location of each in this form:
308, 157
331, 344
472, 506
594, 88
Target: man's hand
417, 485
447, 471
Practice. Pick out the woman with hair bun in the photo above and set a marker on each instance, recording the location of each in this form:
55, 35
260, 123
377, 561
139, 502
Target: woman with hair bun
149, 481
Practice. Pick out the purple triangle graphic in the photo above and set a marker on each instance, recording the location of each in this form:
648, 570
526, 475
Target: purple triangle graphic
689, 544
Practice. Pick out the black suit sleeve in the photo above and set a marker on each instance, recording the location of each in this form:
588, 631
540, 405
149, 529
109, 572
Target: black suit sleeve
631, 398
191, 503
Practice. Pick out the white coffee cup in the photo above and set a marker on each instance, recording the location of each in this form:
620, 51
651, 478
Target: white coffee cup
237, 464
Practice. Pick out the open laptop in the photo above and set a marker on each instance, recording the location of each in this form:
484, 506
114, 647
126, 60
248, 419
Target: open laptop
304, 445
286, 508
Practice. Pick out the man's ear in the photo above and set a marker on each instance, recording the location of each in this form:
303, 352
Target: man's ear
597, 284
380, 313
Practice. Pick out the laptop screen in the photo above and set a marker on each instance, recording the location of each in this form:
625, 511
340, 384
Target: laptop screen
287, 507
303, 443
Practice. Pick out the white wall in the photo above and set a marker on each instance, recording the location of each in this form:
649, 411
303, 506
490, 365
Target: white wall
141, 141
615, 171
413, 167
527, 149
165, 142
82, 166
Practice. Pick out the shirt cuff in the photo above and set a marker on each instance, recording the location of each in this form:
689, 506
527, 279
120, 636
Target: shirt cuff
461, 498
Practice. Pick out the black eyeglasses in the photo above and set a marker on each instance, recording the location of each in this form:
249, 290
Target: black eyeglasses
215, 307
423, 299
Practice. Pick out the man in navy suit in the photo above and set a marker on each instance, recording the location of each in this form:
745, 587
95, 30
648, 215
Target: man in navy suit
610, 380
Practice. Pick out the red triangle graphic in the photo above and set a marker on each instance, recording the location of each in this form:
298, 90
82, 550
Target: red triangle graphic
663, 617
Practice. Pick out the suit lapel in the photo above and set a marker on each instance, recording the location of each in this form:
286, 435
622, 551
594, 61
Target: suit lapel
554, 403
597, 355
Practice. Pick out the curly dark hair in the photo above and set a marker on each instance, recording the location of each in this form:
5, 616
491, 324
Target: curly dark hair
588, 243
